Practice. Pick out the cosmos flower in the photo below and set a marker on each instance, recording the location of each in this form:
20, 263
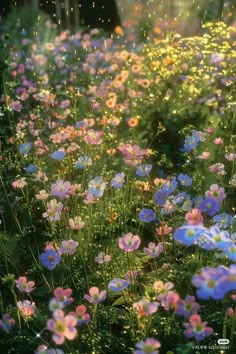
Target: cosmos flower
153, 250
95, 296
68, 247
129, 242
149, 346
27, 308
24, 286
187, 307
102, 258
81, 316
62, 326
196, 328
145, 307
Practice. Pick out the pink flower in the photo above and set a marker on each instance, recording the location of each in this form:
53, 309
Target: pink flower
43, 195
210, 130
26, 307
81, 315
153, 250
76, 223
95, 297
103, 258
170, 302
61, 189
68, 247
194, 217
63, 295
218, 141
204, 155
145, 307
23, 286
216, 192
164, 229
218, 168
53, 212
20, 183
161, 289
93, 137
129, 242
132, 154
197, 329
230, 157
62, 326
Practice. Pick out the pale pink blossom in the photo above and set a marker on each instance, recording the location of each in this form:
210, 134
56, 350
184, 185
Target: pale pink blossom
102, 258
62, 326
27, 308
216, 192
194, 217
20, 183
218, 141
43, 195
204, 155
24, 286
76, 223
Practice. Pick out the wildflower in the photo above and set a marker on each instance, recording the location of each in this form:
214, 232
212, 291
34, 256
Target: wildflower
58, 155
230, 252
187, 307
97, 186
20, 183
63, 296
184, 180
68, 247
102, 258
219, 238
149, 346
161, 289
230, 157
27, 308
132, 154
170, 301
188, 234
25, 148
61, 189
191, 141
7, 323
194, 217
210, 205
93, 137
229, 282
77, 223
145, 307
131, 275
42, 349
147, 215
83, 162
62, 326
118, 284
197, 329
129, 242
143, 170
118, 181
43, 195
50, 259
31, 168
218, 141
24, 286
209, 282
217, 168
95, 297
81, 316
164, 229
153, 250
54, 209
216, 192
204, 155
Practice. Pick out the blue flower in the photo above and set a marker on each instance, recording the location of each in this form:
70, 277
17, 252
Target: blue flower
81, 124
118, 284
180, 198
31, 168
83, 162
210, 205
118, 181
184, 180
50, 259
191, 141
58, 155
230, 252
188, 234
143, 170
161, 197
25, 148
97, 186
147, 215
223, 220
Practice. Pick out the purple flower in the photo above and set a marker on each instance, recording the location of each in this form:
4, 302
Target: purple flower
153, 250
7, 323
188, 234
68, 247
149, 346
184, 180
187, 307
118, 181
61, 189
143, 170
62, 326
95, 297
197, 329
209, 282
129, 242
118, 284
147, 215
210, 205
31, 168
50, 259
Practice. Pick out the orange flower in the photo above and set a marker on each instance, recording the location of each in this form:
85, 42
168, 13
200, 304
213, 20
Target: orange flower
132, 122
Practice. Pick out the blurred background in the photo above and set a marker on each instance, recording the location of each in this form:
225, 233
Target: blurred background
185, 16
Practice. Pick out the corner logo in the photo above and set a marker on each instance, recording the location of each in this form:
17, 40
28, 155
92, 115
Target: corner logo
223, 341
